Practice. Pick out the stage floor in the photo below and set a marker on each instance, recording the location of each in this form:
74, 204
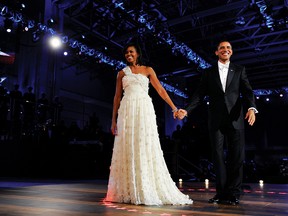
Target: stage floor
85, 198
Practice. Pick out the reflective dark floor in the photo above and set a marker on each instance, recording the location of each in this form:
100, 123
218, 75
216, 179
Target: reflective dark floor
85, 197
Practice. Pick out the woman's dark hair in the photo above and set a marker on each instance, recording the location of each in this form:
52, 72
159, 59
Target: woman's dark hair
138, 50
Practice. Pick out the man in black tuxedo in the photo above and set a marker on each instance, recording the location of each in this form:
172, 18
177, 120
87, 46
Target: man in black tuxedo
227, 86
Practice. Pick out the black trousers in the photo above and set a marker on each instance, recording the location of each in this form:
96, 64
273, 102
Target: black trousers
228, 155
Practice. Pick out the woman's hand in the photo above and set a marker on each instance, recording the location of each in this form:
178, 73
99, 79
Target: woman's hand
181, 113
114, 128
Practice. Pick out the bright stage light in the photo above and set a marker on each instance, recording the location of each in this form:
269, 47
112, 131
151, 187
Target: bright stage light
55, 42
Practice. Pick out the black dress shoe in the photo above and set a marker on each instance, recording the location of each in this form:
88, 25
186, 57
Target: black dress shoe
233, 200
216, 199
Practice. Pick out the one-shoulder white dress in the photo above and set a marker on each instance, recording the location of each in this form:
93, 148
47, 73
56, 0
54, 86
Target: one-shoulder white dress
138, 172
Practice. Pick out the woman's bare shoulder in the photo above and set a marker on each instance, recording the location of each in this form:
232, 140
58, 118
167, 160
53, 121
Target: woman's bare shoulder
120, 73
148, 70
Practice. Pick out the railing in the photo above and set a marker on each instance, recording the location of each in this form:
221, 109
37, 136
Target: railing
183, 168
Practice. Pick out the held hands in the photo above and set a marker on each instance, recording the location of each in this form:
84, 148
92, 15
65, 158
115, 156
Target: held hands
180, 114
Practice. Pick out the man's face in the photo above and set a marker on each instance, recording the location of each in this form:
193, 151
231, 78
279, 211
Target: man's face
224, 51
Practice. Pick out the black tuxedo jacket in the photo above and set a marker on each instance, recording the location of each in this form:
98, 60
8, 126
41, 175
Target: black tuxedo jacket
238, 93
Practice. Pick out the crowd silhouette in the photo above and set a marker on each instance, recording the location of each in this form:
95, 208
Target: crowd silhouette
24, 113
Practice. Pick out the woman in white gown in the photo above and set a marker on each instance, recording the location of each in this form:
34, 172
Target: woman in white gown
138, 172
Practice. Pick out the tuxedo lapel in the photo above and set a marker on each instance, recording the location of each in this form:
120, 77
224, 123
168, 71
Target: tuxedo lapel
217, 77
231, 72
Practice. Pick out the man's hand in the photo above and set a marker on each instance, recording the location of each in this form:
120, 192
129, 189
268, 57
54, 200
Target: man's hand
181, 113
251, 117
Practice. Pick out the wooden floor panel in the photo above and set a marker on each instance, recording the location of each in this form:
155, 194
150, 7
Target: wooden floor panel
85, 198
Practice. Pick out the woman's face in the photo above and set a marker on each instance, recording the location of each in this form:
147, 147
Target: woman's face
131, 55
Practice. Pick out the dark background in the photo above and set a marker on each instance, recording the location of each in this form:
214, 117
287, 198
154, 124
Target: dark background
77, 143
